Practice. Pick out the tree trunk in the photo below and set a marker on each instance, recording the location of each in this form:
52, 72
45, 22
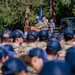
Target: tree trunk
6, 2
27, 15
54, 9
50, 8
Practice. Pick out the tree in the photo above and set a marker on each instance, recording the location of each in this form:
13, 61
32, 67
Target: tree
51, 2
74, 10
13, 13
54, 9
64, 9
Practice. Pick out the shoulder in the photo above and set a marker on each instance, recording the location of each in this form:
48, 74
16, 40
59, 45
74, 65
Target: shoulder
27, 48
66, 46
42, 45
16, 47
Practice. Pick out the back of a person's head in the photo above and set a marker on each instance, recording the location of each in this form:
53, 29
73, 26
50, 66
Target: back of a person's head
10, 50
5, 40
68, 34
16, 34
14, 66
3, 52
68, 37
32, 36
56, 67
39, 53
6, 33
53, 47
70, 55
60, 37
43, 35
27, 59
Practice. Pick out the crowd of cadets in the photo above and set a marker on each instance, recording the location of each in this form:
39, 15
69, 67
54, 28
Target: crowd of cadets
38, 53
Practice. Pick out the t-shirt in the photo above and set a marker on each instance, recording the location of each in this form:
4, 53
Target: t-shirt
52, 25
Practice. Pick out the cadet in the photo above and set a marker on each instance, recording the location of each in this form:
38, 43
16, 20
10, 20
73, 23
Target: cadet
60, 37
36, 59
14, 66
32, 38
56, 67
70, 55
6, 33
10, 50
68, 37
39, 57
43, 35
6, 37
3, 56
23, 38
17, 40
43, 39
53, 49
52, 25
39, 24
51, 36
45, 22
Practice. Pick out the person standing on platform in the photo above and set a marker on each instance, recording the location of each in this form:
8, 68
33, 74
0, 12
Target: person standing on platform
52, 25
39, 23
45, 22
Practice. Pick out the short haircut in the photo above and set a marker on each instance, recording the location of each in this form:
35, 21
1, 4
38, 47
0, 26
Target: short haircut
5, 40
50, 51
68, 37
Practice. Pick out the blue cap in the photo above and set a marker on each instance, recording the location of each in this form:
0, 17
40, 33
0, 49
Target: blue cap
6, 33
56, 67
55, 44
32, 35
3, 52
38, 52
13, 65
23, 35
69, 30
70, 55
43, 34
10, 50
17, 33
60, 36
51, 35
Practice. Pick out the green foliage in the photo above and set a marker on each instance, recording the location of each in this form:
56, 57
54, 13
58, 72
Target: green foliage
66, 2
64, 9
74, 10
12, 13
35, 8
